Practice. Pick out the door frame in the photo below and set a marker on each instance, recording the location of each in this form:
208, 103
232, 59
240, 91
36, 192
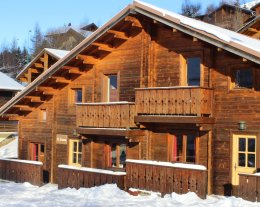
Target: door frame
235, 134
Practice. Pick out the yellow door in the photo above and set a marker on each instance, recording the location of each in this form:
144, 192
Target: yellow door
244, 156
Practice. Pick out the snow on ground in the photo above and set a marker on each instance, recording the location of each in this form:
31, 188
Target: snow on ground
27, 195
10, 150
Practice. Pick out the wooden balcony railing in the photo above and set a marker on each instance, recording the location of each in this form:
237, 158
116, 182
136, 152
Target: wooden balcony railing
165, 177
77, 177
249, 187
106, 115
21, 171
195, 101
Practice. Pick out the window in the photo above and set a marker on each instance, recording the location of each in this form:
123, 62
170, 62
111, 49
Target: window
182, 148
242, 78
43, 115
246, 151
37, 151
75, 152
193, 71
111, 92
78, 95
117, 155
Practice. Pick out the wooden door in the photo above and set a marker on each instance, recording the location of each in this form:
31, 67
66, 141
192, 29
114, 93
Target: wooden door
37, 152
244, 156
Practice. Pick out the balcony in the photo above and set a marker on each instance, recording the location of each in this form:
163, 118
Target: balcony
106, 115
164, 104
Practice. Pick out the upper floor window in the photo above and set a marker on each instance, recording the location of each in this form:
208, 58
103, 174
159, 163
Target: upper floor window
43, 115
193, 71
110, 88
78, 95
242, 78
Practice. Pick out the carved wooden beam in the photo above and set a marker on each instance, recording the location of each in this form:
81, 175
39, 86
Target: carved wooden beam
87, 59
46, 90
118, 34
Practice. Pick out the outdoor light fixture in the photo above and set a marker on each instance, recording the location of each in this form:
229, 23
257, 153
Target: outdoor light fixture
241, 125
75, 133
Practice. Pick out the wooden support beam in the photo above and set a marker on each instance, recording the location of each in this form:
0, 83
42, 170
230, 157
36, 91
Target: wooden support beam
251, 29
118, 34
38, 65
23, 79
104, 47
88, 59
36, 99
46, 90
34, 70
59, 79
72, 70
46, 61
23, 107
135, 22
194, 39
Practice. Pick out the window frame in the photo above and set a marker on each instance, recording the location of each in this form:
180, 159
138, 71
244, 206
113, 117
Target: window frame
72, 95
109, 153
171, 143
106, 88
184, 56
231, 78
71, 152
43, 115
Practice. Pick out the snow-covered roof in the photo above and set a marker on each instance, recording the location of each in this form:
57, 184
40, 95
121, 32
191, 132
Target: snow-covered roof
224, 35
7, 83
58, 54
250, 4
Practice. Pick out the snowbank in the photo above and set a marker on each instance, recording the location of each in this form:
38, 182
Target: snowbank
10, 150
14, 194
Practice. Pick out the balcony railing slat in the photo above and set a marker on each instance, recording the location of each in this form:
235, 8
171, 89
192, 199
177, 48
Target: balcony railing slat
174, 101
107, 115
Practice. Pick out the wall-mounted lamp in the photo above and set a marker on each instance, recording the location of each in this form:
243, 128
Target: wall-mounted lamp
74, 133
241, 125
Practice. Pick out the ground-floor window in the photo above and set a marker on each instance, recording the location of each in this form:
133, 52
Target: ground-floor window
75, 152
116, 155
182, 147
37, 152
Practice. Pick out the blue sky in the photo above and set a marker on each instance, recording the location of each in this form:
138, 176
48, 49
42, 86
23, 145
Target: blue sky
18, 17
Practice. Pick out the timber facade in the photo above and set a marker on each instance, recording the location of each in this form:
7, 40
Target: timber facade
142, 87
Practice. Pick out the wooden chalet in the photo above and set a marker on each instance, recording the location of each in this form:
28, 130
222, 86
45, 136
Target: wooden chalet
229, 16
170, 102
252, 28
8, 89
43, 61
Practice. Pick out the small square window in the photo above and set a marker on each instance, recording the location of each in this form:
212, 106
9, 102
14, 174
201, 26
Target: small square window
242, 78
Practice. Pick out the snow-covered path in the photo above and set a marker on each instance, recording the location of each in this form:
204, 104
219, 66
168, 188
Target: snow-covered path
26, 195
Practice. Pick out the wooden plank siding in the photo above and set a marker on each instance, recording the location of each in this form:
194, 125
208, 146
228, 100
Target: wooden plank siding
165, 179
74, 178
106, 115
20, 172
174, 101
248, 188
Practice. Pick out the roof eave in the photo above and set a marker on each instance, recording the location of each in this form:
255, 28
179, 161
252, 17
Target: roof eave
63, 61
175, 23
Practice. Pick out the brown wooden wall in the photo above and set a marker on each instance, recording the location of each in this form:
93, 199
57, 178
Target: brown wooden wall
231, 106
